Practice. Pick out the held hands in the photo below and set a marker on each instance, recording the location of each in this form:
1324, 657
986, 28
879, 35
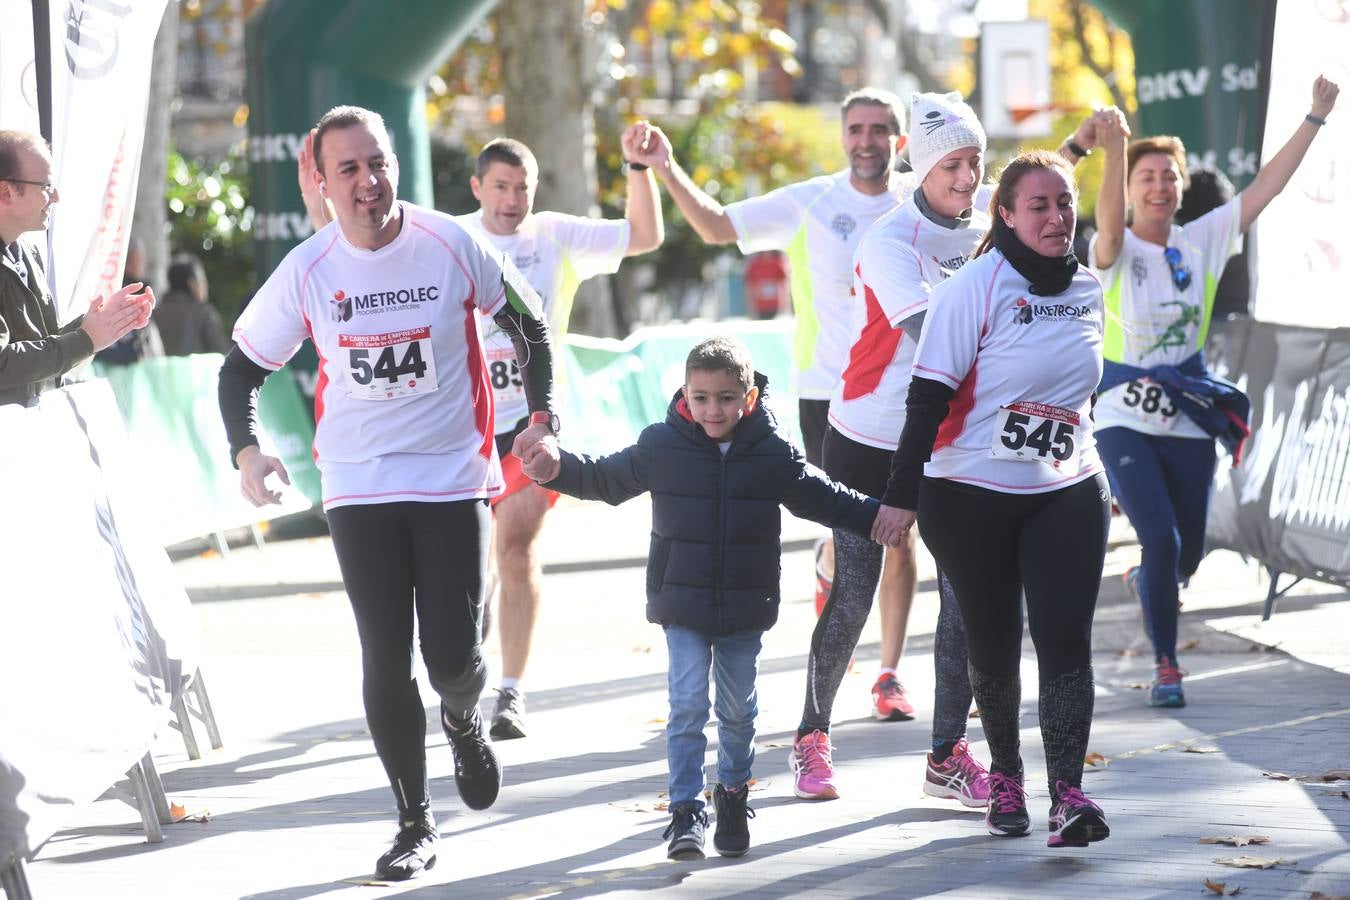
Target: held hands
253, 471
891, 525
1112, 131
127, 310
537, 449
1324, 96
645, 143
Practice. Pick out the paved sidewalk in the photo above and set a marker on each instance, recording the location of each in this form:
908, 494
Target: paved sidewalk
299, 808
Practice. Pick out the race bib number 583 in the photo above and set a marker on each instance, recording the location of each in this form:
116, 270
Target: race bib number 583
1037, 432
388, 366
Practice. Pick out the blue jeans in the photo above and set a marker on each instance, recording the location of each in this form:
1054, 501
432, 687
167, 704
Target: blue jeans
1162, 484
734, 659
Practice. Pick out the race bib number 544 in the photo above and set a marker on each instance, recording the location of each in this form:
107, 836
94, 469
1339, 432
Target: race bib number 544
388, 366
1037, 432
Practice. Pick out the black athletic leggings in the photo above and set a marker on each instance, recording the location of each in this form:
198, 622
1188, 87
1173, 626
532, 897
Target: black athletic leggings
994, 547
857, 572
397, 558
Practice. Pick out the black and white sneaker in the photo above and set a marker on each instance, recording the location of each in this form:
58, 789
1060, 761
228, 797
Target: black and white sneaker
478, 775
732, 835
688, 824
1006, 814
414, 851
508, 720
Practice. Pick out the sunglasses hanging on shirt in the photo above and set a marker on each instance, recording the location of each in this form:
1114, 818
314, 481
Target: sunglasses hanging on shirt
1181, 276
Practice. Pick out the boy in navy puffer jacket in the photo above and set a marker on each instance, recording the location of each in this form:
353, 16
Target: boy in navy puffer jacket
718, 469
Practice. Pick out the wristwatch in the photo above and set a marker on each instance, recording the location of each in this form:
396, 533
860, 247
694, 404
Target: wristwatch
545, 417
633, 167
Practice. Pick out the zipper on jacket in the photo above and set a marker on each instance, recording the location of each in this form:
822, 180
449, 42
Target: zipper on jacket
721, 537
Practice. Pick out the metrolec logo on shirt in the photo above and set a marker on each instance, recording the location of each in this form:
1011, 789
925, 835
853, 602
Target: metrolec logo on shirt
1025, 312
375, 302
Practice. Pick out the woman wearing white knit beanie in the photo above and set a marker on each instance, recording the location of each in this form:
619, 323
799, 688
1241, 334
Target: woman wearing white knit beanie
942, 125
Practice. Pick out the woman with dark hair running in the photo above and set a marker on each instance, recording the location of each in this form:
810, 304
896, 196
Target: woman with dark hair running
1013, 500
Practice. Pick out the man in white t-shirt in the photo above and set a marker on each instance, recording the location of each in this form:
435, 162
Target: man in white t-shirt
390, 294
555, 252
819, 222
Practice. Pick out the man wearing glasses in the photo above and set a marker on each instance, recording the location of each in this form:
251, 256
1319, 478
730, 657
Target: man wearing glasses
35, 349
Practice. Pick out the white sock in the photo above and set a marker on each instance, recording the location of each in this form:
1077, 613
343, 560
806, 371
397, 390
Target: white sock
884, 672
509, 683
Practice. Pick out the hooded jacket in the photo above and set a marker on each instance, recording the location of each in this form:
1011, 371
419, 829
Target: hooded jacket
715, 560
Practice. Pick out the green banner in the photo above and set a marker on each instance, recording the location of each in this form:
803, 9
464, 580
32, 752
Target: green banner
611, 390
1197, 70
169, 406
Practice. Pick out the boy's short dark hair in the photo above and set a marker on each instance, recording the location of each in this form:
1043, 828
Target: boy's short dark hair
722, 354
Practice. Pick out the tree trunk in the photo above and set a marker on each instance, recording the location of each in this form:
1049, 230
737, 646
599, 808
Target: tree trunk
547, 71
150, 217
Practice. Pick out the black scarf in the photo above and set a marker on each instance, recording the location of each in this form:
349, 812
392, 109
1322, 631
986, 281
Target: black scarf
1049, 275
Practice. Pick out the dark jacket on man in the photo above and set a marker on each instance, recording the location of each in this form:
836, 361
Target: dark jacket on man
34, 350
715, 557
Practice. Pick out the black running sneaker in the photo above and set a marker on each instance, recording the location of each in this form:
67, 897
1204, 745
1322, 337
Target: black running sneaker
732, 837
508, 721
1075, 821
1006, 814
414, 850
686, 829
478, 775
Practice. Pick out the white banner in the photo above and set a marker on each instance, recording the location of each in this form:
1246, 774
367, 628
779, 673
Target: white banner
1303, 263
18, 74
101, 52
95, 631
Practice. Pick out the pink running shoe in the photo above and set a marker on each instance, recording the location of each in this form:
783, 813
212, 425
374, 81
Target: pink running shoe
812, 768
960, 777
1075, 821
889, 703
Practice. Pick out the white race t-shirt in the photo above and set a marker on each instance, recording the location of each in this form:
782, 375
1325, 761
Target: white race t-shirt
555, 253
818, 223
1151, 321
403, 408
1024, 369
898, 262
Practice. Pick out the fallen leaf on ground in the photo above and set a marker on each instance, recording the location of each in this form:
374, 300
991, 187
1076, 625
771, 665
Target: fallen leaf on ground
1277, 776
1250, 862
179, 813
1129, 651
1096, 759
1138, 685
642, 648
1344, 795
1237, 840
1220, 888
1326, 777
775, 746
656, 721
1198, 748
1318, 895
1189, 645
975, 713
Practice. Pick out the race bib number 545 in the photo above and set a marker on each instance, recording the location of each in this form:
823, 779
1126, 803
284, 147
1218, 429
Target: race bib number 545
388, 366
1037, 432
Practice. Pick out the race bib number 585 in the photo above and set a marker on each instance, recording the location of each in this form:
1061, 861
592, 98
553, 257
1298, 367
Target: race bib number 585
1037, 432
388, 366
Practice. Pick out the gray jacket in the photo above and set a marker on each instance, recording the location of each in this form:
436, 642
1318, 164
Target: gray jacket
34, 350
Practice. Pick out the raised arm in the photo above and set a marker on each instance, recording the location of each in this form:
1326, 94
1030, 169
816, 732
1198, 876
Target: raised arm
705, 215
317, 207
1112, 136
1275, 174
643, 207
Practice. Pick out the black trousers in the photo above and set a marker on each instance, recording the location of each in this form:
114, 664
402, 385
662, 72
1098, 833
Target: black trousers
404, 560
